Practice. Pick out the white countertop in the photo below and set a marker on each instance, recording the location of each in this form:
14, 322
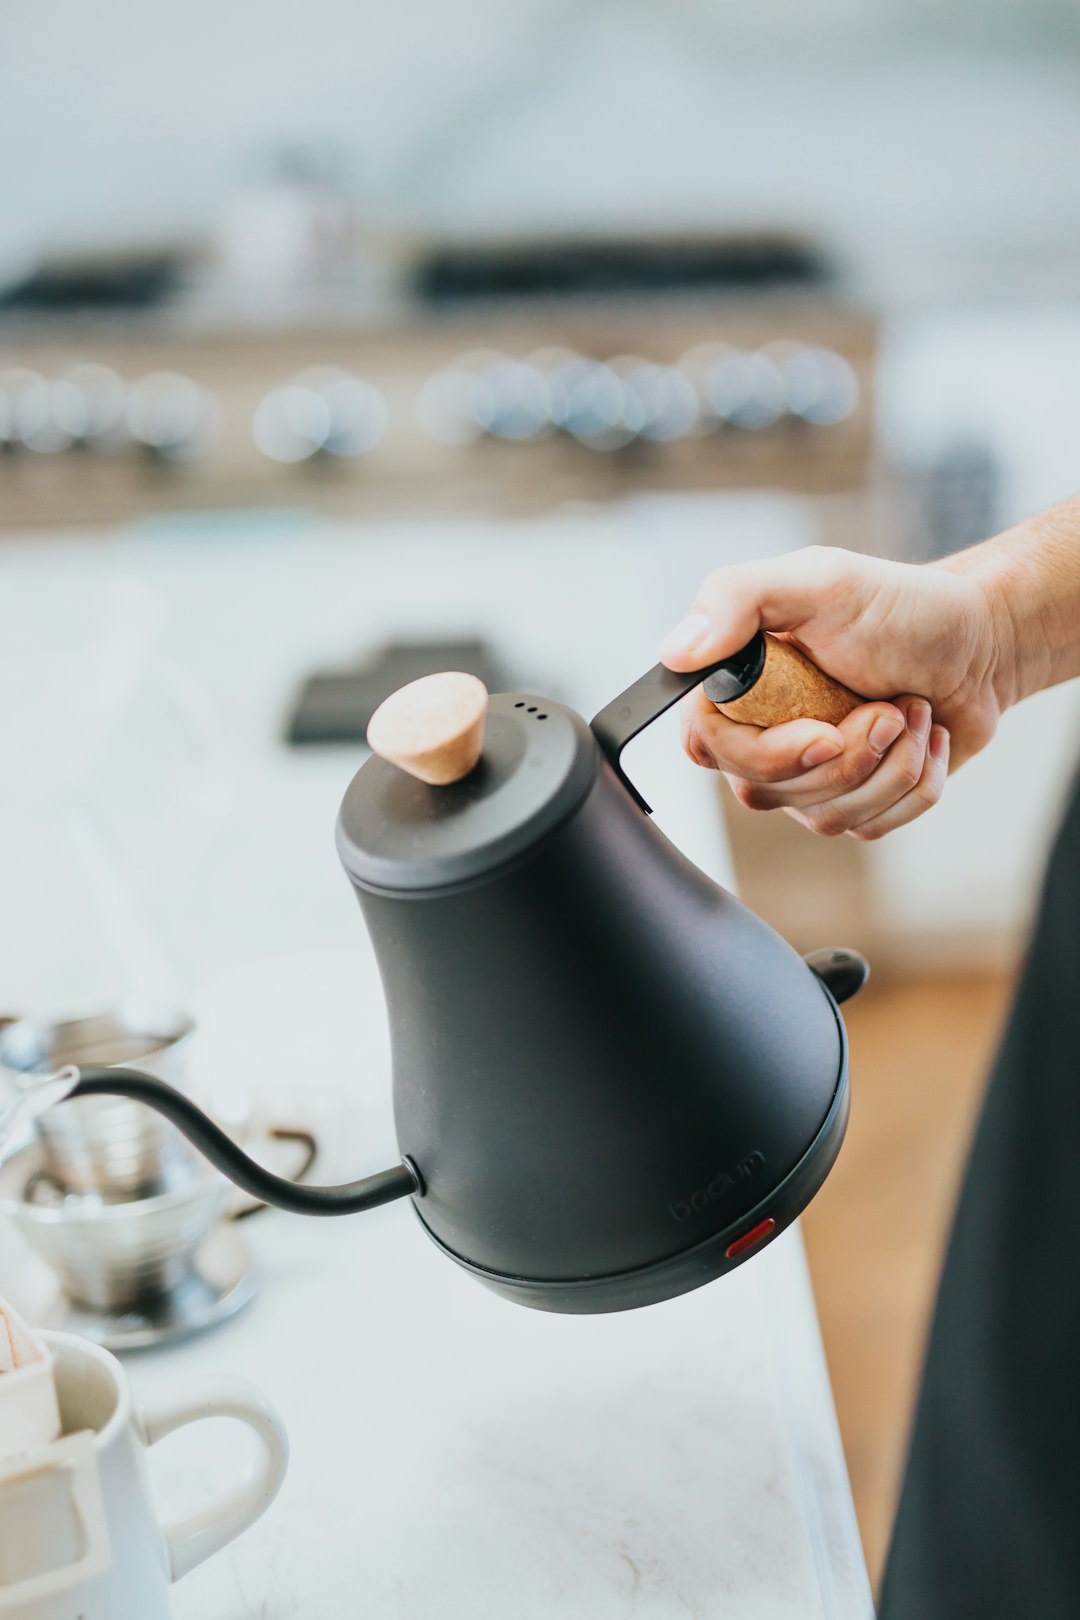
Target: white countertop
455, 1454
452, 1453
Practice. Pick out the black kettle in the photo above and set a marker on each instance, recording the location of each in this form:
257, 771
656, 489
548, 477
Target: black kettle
612, 1082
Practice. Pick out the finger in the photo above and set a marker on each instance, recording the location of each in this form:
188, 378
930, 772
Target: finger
779, 594
776, 754
922, 797
898, 774
866, 734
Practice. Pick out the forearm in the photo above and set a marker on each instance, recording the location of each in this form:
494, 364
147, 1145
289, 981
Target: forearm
1030, 577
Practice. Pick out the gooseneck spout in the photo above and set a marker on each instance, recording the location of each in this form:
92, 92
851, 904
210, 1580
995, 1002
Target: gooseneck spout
402, 1181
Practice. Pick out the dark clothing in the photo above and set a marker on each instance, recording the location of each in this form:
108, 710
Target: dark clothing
989, 1518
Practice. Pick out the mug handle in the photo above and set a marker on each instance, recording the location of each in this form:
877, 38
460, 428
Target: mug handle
192, 1540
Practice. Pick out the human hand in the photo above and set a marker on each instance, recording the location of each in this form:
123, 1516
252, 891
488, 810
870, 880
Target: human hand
922, 643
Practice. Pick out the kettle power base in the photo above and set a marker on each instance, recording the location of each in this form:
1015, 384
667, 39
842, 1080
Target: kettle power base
692, 1267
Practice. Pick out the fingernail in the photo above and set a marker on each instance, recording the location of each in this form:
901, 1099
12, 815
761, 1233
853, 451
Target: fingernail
818, 752
939, 744
919, 719
884, 731
685, 636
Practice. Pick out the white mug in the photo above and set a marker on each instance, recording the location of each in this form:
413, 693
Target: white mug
79, 1535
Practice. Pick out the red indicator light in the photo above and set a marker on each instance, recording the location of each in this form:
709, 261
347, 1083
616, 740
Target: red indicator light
748, 1239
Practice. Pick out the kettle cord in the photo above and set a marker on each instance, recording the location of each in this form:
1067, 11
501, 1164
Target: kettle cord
403, 1181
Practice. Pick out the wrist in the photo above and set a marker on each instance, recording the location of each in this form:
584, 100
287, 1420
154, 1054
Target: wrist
996, 571
1029, 581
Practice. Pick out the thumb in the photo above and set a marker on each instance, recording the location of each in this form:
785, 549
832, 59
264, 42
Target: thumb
784, 593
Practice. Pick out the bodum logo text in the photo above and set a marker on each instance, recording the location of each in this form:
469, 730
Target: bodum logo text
721, 1184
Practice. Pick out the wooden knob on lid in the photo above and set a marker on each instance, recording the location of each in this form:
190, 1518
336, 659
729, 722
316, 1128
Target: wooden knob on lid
433, 728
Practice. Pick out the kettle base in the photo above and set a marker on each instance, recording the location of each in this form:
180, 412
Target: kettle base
691, 1267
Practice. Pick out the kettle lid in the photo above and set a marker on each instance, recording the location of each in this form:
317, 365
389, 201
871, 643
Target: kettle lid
395, 832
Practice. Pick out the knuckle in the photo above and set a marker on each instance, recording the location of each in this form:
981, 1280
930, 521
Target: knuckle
855, 767
908, 772
774, 770
712, 587
828, 820
696, 747
824, 563
743, 758
750, 794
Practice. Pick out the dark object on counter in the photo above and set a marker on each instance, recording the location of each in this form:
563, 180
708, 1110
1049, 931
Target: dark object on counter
124, 281
957, 500
335, 706
612, 1082
610, 267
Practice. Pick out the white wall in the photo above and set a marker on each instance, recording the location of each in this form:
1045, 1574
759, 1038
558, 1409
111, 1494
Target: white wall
965, 878
940, 151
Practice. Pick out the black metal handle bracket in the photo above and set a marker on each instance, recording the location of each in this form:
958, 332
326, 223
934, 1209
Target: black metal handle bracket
620, 720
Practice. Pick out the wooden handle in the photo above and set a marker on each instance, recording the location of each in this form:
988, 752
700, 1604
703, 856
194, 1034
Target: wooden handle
433, 728
790, 687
